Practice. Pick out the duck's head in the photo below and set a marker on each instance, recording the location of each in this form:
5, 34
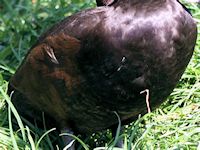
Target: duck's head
105, 2
110, 2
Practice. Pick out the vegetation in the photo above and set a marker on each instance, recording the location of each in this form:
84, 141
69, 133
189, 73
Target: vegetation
175, 125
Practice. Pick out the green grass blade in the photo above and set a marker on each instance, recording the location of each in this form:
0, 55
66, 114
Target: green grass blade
30, 139
46, 133
76, 138
14, 111
15, 146
117, 133
133, 133
7, 69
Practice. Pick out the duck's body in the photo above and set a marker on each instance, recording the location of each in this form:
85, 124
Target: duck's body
99, 60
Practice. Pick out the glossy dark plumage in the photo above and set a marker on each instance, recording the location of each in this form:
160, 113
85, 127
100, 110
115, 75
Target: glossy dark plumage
99, 60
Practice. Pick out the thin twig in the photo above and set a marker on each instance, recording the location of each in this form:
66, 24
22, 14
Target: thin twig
147, 99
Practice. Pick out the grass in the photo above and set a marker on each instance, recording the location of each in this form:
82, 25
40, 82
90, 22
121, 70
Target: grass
175, 125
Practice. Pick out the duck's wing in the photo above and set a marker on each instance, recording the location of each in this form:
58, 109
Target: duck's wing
52, 58
48, 70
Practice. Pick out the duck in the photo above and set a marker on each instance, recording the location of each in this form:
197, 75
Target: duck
124, 57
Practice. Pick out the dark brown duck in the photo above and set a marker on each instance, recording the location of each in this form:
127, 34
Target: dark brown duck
98, 61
